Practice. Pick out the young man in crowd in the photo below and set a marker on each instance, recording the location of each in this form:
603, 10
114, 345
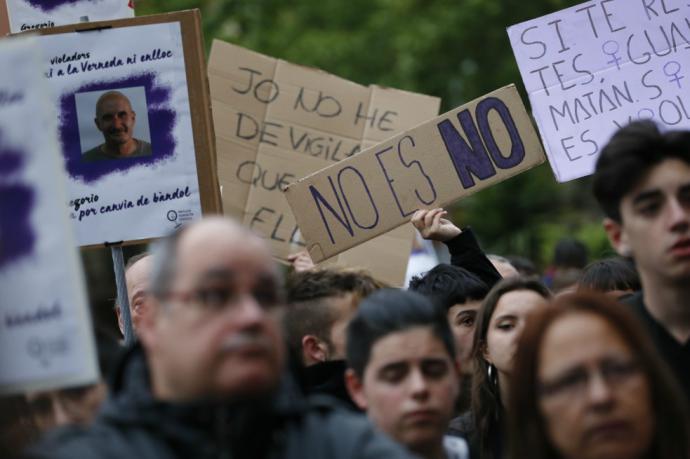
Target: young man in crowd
642, 182
403, 371
206, 379
321, 304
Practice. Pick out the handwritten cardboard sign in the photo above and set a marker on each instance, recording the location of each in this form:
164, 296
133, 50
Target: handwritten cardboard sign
38, 14
276, 121
463, 151
597, 66
45, 333
134, 125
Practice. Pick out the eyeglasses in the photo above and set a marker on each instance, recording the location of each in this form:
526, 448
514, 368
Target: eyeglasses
574, 383
213, 299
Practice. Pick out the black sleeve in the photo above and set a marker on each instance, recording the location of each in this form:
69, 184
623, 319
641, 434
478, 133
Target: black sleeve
465, 253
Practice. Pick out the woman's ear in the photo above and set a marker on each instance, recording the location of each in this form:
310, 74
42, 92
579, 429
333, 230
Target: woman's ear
485, 352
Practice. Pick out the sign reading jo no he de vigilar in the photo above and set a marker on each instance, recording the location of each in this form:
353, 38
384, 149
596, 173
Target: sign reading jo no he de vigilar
276, 121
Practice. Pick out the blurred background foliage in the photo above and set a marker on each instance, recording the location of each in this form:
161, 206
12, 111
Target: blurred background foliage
453, 49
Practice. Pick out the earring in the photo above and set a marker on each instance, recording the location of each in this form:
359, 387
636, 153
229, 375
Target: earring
492, 373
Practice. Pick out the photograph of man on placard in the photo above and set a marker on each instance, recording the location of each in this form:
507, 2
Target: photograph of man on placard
115, 122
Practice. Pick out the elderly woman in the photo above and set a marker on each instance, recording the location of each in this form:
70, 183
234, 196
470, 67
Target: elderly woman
588, 384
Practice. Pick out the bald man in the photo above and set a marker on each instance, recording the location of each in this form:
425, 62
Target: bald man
116, 119
207, 378
138, 280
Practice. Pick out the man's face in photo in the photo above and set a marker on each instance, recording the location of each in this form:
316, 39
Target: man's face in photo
115, 119
655, 222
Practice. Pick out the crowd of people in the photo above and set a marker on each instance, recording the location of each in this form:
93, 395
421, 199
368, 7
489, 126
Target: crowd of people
476, 359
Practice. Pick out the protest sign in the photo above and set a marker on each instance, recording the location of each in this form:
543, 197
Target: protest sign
134, 173
38, 14
45, 332
276, 121
463, 151
597, 66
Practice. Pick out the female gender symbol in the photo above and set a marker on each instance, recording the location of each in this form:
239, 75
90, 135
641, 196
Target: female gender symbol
672, 69
611, 48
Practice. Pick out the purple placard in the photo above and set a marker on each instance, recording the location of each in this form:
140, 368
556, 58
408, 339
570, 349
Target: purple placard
17, 238
49, 5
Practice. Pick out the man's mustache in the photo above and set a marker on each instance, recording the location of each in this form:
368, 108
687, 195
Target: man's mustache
241, 341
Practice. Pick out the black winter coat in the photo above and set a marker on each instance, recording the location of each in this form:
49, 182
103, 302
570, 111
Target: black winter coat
132, 424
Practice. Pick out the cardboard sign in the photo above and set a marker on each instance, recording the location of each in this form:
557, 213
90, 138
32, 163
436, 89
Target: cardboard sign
276, 122
45, 332
463, 151
134, 125
595, 67
38, 14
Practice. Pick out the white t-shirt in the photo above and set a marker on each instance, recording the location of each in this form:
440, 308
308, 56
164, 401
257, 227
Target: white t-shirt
456, 448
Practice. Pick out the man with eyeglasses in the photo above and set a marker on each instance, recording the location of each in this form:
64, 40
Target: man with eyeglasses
207, 379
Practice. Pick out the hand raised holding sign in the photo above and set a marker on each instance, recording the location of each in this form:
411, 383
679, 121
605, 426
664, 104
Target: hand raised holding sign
301, 261
431, 225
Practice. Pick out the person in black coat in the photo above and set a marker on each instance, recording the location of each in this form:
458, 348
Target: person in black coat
207, 380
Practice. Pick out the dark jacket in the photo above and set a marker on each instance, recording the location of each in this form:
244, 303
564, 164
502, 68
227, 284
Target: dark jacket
327, 378
465, 426
465, 252
675, 354
133, 424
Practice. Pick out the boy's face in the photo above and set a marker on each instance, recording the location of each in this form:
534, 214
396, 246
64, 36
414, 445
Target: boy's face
462, 318
409, 387
655, 223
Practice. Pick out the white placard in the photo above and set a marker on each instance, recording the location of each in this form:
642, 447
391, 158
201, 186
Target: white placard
38, 14
140, 196
594, 67
45, 333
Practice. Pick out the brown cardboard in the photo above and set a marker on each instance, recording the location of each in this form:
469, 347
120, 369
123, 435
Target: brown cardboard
351, 202
267, 211
385, 255
276, 121
4, 19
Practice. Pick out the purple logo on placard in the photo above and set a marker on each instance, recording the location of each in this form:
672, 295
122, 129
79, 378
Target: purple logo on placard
49, 5
16, 201
93, 165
